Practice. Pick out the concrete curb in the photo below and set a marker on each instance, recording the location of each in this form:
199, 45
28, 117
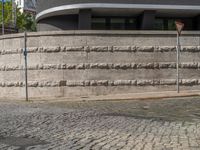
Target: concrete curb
143, 96
116, 97
121, 97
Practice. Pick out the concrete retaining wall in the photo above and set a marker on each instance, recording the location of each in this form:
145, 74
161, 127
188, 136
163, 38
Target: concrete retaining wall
81, 63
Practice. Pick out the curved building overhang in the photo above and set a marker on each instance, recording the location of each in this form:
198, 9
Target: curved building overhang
74, 8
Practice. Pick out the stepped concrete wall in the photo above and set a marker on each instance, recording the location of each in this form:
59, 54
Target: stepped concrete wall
82, 63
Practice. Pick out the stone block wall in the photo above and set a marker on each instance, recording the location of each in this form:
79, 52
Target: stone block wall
82, 63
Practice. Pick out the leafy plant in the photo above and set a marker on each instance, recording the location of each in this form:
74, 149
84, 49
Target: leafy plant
24, 21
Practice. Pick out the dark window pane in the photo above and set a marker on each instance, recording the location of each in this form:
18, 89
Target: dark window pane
159, 24
131, 24
114, 23
171, 24
99, 23
117, 24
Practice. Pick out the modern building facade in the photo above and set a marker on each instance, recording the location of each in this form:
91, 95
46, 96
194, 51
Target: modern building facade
26, 5
117, 14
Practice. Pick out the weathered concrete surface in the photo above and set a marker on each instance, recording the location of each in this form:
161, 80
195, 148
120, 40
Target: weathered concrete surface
167, 124
83, 63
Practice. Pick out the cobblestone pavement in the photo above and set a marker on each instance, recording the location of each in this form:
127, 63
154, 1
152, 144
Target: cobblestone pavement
169, 124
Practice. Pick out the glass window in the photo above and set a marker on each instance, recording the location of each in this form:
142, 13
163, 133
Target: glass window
171, 24
99, 23
114, 23
117, 24
159, 24
131, 24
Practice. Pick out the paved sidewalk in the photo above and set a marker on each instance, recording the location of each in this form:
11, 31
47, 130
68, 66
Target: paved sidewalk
114, 97
145, 96
167, 124
128, 96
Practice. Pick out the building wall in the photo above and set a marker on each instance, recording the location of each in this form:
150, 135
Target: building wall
20, 3
48, 13
83, 63
26, 5
42, 5
69, 22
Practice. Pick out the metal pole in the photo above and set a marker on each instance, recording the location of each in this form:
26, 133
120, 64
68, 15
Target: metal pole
2, 17
25, 58
177, 64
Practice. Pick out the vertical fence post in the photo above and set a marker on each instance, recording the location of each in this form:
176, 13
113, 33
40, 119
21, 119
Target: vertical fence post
177, 63
25, 61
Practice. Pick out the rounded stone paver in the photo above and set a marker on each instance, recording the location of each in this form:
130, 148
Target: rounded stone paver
170, 124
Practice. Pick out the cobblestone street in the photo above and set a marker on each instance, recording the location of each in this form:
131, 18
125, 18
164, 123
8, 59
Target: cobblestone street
168, 124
